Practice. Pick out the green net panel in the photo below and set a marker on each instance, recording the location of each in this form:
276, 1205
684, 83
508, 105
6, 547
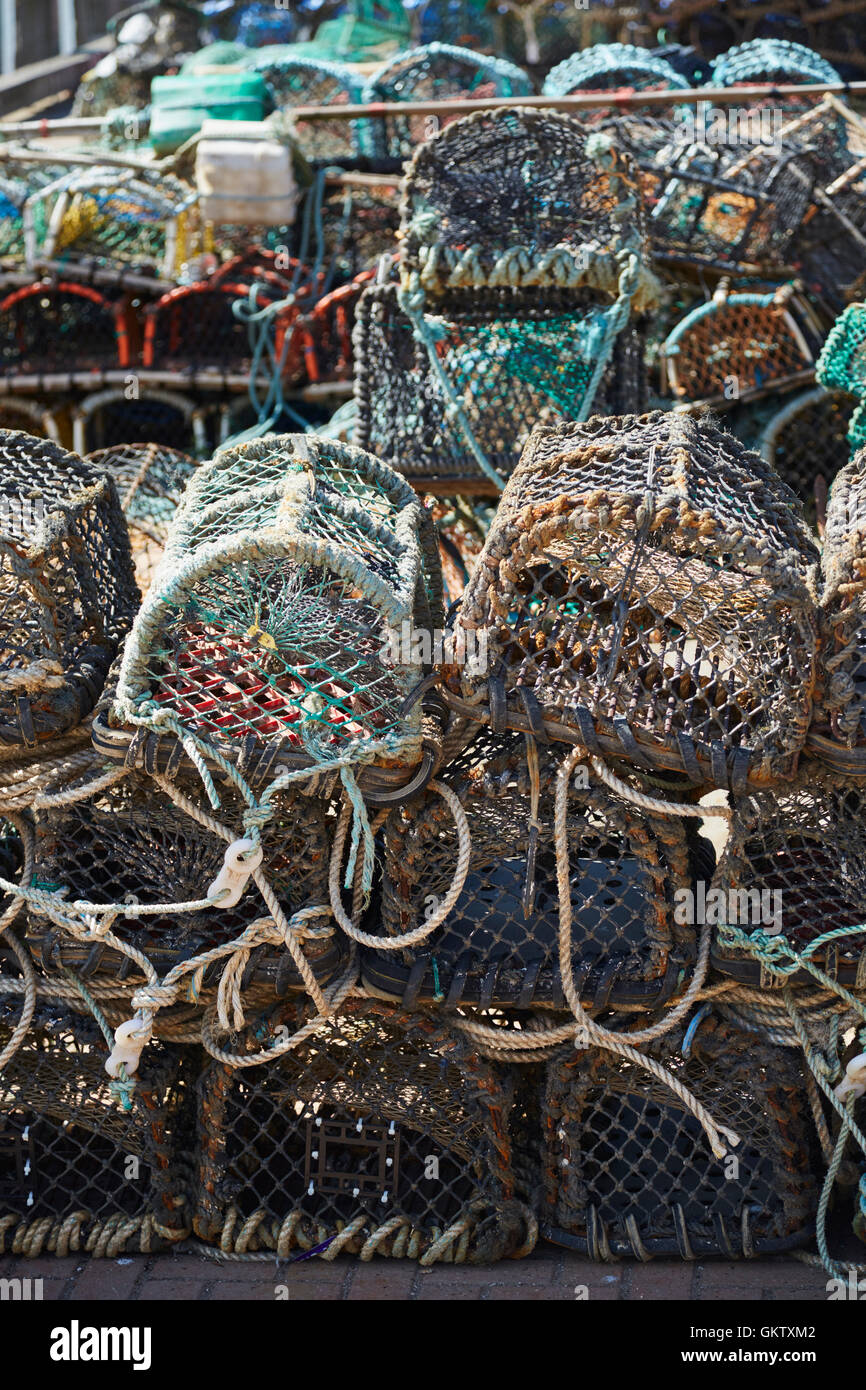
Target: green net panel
794, 865
437, 72
67, 591
297, 81
842, 363
150, 479
268, 633
510, 359
628, 1171
384, 1134
130, 844
737, 343
645, 587
498, 947
609, 67
78, 1172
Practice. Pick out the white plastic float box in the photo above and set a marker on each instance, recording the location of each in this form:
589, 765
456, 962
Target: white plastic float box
244, 175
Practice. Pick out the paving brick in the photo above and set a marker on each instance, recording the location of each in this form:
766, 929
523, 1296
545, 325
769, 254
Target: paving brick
667, 1281
106, 1279
756, 1279
264, 1291
46, 1267
528, 1293
185, 1267
171, 1291
456, 1293
392, 1279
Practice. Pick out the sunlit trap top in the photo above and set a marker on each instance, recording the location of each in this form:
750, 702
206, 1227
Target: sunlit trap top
606, 67
771, 60
645, 586
436, 72
294, 80
114, 217
67, 593
286, 620
526, 199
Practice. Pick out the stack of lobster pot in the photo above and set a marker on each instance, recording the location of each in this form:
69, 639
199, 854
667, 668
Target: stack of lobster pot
645, 607
522, 280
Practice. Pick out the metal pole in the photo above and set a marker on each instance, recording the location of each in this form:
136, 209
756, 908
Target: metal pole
8, 36
67, 26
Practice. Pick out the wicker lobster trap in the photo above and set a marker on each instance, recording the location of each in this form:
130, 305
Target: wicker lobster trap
195, 328
281, 627
360, 223
753, 341
511, 359
838, 731
293, 81
111, 219
522, 263
132, 844
436, 72
150, 479
629, 1171
610, 67
59, 326
113, 418
644, 590
67, 591
78, 1172
382, 1134
794, 866
498, 946
806, 441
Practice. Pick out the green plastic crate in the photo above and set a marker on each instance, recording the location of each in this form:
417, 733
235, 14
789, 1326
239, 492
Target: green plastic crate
180, 105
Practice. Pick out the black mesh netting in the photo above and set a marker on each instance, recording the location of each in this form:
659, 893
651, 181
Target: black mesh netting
513, 360
629, 1171
838, 733
150, 479
645, 585
499, 944
78, 1172
61, 328
132, 844
385, 1132
794, 864
110, 418
67, 590
806, 441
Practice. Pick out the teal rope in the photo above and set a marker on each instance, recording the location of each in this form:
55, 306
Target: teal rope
123, 1087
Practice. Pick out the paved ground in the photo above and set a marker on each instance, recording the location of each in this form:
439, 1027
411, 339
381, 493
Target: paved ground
549, 1274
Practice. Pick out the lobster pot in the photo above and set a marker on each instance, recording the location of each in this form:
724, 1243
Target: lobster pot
731, 209
150, 480
116, 219
608, 67
838, 732
435, 72
194, 327
297, 81
522, 198
794, 863
645, 586
384, 1133
629, 1170
327, 332
31, 417
775, 62
78, 1172
842, 363
111, 419
499, 945
281, 625
737, 343
132, 844
360, 225
510, 359
806, 440
19, 178
62, 327
67, 591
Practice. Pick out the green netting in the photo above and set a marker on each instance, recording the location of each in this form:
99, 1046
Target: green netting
842, 365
